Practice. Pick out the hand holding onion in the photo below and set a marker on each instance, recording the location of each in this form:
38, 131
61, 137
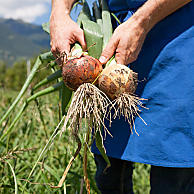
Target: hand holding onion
126, 42
116, 81
63, 33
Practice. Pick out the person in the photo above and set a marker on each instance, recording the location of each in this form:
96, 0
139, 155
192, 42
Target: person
156, 39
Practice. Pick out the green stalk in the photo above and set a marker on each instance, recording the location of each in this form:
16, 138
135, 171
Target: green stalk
33, 97
106, 23
84, 13
65, 96
48, 56
46, 91
23, 90
47, 80
116, 18
14, 176
97, 14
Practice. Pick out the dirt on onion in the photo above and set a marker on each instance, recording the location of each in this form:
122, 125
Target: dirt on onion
117, 79
79, 70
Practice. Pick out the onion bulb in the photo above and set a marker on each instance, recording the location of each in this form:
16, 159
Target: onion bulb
117, 79
79, 70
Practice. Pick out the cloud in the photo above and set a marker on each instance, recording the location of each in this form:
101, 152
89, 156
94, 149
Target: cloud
27, 10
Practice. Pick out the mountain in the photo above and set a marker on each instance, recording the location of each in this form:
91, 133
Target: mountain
21, 40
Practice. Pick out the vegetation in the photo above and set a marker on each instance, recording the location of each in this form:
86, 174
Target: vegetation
32, 155
24, 145
13, 77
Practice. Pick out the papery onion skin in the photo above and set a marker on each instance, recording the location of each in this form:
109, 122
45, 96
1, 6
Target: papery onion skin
117, 79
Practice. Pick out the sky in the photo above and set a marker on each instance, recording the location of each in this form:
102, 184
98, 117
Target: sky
32, 11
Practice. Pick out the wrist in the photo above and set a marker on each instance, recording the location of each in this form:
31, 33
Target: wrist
147, 15
60, 11
59, 15
143, 20
61, 7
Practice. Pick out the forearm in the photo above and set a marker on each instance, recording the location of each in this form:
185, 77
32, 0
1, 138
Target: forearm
154, 11
62, 6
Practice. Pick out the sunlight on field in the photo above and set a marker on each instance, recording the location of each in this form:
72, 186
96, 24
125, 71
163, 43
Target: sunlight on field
24, 145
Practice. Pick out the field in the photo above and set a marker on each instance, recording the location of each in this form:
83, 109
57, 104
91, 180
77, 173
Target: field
22, 148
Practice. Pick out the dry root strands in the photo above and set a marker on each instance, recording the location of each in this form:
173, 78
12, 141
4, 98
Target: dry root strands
88, 103
128, 106
119, 83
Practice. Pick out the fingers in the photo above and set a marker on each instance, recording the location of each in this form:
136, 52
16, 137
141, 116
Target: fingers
63, 44
125, 56
60, 52
109, 51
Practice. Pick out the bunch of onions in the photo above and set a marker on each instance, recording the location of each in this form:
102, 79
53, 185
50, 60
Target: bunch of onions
98, 91
80, 73
116, 85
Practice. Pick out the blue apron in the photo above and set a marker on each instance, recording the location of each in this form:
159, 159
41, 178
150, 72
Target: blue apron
166, 72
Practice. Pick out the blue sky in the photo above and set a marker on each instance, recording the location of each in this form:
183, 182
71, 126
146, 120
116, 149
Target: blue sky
32, 11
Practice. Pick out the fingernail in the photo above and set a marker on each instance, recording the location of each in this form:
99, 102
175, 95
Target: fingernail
102, 59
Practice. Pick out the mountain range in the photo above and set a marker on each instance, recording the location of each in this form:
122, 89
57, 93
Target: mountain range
21, 40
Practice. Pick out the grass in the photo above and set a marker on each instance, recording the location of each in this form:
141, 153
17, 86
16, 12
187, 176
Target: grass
23, 146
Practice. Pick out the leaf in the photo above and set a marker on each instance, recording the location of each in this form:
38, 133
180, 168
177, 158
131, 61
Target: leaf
46, 27
84, 14
65, 96
94, 38
14, 176
50, 78
101, 148
106, 23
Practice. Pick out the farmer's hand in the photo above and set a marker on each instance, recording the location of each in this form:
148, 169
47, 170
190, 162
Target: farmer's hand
63, 33
128, 38
126, 43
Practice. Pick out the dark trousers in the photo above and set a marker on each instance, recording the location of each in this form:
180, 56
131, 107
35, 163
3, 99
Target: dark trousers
163, 180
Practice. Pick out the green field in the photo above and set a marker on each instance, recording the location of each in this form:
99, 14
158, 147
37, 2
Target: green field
24, 145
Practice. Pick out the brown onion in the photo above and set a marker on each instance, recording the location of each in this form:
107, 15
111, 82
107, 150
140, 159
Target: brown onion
117, 79
80, 70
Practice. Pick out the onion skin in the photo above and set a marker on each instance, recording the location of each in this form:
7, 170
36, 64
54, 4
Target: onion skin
117, 79
83, 69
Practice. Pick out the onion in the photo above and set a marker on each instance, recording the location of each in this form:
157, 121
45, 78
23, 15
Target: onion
117, 79
79, 70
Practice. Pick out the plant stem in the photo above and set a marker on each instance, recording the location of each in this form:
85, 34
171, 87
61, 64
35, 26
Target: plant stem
85, 160
23, 90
